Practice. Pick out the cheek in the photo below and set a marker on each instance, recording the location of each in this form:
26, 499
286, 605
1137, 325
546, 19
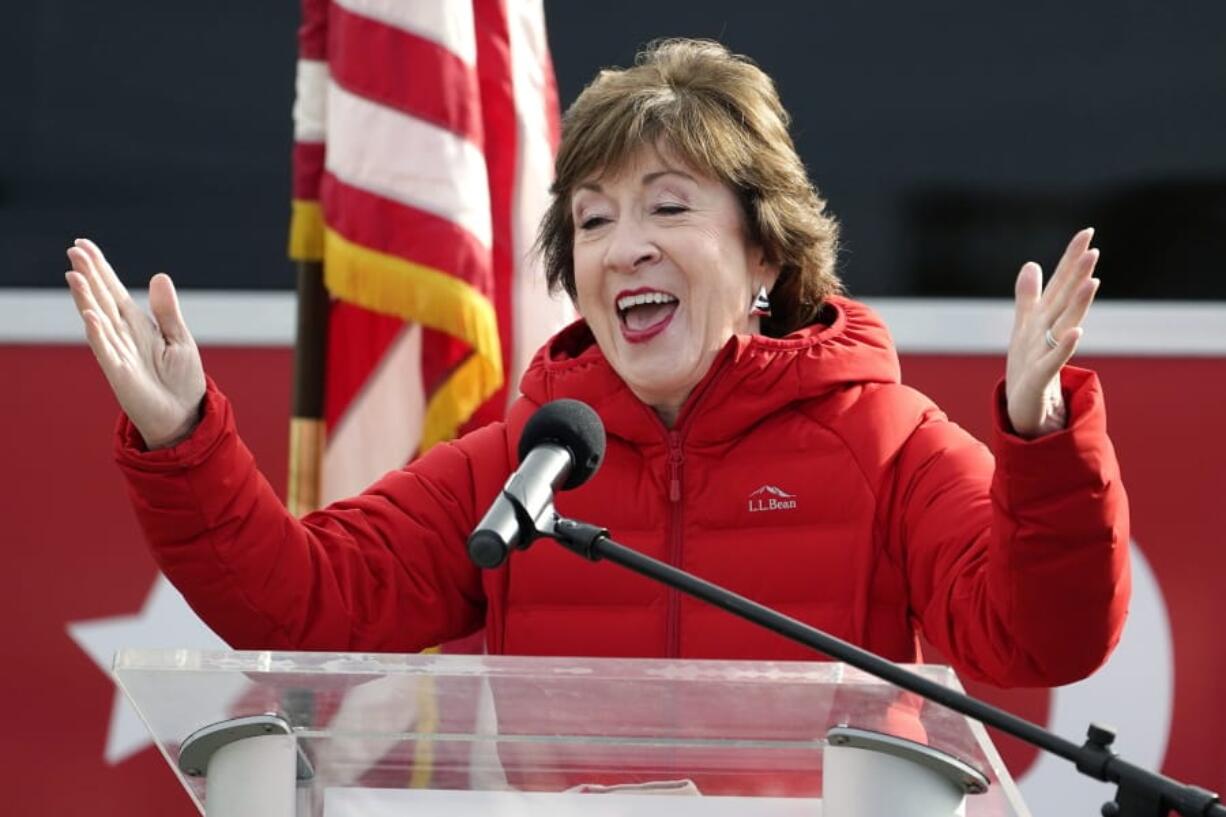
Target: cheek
717, 313
729, 299
587, 284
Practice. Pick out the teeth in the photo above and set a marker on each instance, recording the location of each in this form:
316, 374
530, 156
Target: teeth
628, 301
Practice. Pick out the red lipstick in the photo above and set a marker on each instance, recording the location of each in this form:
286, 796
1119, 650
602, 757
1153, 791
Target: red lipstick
644, 333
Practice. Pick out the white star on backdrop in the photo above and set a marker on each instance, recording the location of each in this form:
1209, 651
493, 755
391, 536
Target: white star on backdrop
165, 621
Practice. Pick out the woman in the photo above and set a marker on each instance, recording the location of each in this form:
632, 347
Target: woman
758, 436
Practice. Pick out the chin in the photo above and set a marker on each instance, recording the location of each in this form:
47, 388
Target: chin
661, 382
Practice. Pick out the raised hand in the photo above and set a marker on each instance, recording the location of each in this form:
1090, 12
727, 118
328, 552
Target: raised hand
152, 363
1046, 330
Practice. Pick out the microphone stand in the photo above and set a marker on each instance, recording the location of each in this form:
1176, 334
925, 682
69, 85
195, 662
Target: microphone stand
1139, 792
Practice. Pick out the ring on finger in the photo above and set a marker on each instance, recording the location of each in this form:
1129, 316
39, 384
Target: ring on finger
1050, 339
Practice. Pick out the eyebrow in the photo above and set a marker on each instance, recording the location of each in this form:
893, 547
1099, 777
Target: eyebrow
648, 178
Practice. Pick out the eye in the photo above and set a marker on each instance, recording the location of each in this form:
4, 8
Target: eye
671, 209
592, 222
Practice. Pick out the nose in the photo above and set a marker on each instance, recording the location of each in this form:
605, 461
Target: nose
630, 247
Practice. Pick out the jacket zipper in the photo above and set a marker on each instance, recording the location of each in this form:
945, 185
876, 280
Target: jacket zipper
675, 436
674, 541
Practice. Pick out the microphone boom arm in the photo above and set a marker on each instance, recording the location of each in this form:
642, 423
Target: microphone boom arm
1139, 793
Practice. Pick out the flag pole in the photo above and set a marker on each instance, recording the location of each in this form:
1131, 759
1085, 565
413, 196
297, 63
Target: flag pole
306, 429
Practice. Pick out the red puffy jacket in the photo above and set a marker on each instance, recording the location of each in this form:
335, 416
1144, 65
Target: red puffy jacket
800, 473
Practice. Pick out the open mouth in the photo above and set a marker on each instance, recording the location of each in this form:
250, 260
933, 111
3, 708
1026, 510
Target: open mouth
644, 314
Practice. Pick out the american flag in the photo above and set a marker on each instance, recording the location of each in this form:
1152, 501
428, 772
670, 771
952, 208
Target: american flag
424, 141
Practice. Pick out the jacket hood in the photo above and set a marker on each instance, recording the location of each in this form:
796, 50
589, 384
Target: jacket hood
752, 377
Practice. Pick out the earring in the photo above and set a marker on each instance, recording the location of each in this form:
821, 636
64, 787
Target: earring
761, 306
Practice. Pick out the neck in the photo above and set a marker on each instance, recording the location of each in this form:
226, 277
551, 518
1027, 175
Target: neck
668, 409
668, 414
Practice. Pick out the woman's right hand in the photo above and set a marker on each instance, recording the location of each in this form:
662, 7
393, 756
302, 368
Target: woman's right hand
152, 363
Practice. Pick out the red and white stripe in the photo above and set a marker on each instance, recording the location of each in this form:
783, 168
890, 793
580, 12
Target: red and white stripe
427, 130
538, 130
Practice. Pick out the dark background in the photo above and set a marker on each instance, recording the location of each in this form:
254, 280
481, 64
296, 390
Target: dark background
954, 141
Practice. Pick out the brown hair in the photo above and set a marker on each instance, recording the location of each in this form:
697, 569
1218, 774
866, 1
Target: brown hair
720, 114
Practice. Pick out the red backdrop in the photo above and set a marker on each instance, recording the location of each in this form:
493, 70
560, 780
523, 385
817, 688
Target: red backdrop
75, 553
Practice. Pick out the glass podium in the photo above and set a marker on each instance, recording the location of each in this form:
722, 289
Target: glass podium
343, 735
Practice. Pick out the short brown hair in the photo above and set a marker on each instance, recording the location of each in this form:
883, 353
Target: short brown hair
720, 114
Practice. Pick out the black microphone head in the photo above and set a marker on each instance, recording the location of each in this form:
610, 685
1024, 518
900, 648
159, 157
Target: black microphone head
573, 425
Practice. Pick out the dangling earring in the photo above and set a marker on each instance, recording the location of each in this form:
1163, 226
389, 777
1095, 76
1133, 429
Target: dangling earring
761, 306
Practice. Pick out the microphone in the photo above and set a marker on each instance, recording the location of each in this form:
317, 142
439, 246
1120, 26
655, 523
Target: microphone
561, 448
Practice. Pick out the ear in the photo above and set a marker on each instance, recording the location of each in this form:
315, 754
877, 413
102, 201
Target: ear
764, 272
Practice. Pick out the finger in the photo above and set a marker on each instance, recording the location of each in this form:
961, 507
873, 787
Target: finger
1078, 244
1069, 264
100, 343
118, 339
1026, 291
82, 298
127, 328
1066, 345
129, 322
87, 307
81, 266
1078, 307
119, 293
84, 263
1058, 302
165, 305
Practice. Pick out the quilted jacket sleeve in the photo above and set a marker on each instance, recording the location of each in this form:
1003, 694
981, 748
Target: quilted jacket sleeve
1018, 569
384, 571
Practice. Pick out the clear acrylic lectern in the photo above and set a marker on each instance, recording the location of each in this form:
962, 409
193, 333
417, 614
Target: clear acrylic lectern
365, 735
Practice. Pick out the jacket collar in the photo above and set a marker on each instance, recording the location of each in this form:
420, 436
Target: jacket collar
752, 377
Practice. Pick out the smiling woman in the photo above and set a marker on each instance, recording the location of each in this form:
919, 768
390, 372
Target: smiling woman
693, 107
663, 270
758, 435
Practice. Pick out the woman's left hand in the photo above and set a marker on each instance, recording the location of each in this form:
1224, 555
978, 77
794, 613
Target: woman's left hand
1046, 330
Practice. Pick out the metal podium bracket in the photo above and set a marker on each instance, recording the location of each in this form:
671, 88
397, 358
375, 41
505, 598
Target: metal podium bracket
199, 747
963, 775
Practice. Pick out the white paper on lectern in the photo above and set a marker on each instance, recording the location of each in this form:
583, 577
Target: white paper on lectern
342, 802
